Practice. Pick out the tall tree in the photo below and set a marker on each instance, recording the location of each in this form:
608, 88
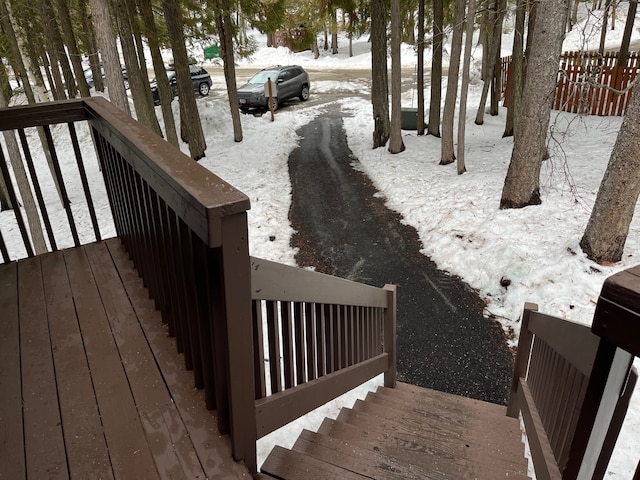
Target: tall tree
164, 89
101, 15
608, 227
66, 25
447, 154
33, 218
623, 54
516, 70
190, 125
379, 78
88, 37
420, 119
522, 183
225, 32
462, 117
396, 145
433, 126
137, 77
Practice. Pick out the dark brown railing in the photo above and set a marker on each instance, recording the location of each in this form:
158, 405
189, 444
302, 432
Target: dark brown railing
336, 335
559, 379
186, 232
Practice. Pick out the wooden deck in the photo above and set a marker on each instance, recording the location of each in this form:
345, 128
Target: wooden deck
407, 433
90, 383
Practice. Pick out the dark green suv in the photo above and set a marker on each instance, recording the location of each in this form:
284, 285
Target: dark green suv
288, 82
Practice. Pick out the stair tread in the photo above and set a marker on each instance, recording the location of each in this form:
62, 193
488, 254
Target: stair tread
443, 457
369, 462
503, 435
290, 465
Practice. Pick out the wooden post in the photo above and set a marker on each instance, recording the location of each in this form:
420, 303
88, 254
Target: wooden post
270, 98
522, 359
390, 335
236, 277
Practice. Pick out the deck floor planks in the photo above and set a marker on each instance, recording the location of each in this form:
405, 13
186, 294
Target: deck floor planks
85, 444
12, 463
196, 424
151, 397
91, 400
45, 455
292, 465
128, 448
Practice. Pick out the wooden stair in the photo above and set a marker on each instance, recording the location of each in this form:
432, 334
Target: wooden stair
407, 433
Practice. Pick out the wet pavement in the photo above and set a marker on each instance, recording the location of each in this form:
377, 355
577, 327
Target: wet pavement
444, 342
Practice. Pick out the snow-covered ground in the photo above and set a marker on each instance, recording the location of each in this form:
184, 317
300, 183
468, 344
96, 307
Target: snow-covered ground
457, 216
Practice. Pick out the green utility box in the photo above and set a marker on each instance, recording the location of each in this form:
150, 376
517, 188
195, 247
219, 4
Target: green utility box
212, 52
409, 118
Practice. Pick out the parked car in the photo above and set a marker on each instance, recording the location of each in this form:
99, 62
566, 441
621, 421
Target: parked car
200, 79
290, 81
88, 75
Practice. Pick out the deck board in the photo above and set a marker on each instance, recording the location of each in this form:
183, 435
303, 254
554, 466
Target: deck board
12, 461
94, 396
43, 438
78, 408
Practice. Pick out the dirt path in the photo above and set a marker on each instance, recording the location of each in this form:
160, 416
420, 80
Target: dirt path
444, 342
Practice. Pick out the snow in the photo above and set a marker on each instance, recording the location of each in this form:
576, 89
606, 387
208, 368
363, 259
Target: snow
457, 216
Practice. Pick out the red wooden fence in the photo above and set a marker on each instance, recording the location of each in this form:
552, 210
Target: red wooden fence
589, 83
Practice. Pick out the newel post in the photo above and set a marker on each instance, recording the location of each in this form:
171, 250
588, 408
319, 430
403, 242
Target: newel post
390, 335
236, 278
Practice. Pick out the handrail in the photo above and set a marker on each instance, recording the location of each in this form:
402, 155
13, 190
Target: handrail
174, 217
336, 334
558, 386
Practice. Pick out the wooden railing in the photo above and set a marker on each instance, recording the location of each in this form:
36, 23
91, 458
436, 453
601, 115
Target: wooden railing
320, 336
186, 232
560, 377
589, 83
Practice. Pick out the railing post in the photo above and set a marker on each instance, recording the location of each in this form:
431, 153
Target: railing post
522, 359
390, 335
236, 278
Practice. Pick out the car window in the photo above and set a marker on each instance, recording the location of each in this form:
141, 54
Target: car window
284, 76
261, 77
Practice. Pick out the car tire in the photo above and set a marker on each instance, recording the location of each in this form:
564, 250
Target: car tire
203, 89
126, 84
304, 93
275, 104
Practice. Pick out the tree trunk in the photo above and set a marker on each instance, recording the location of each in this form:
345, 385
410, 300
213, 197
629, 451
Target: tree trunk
72, 46
462, 117
101, 15
334, 33
396, 145
225, 32
33, 218
447, 154
516, 70
138, 80
623, 54
522, 183
56, 44
48, 26
164, 89
379, 79
606, 233
190, 127
91, 44
603, 32
492, 56
433, 127
420, 119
